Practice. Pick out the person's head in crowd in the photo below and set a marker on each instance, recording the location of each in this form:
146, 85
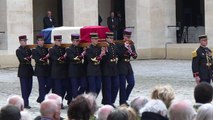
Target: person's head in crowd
23, 40
138, 103
49, 109
10, 112
79, 109
205, 112
91, 97
17, 101
57, 40
57, 98
49, 13
109, 37
154, 107
94, 38
164, 93
132, 115
203, 93
181, 110
118, 114
40, 40
104, 111
127, 34
112, 14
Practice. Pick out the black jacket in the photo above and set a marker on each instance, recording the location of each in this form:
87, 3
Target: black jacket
112, 23
59, 69
75, 59
25, 68
42, 68
93, 67
199, 63
124, 65
109, 62
152, 116
48, 23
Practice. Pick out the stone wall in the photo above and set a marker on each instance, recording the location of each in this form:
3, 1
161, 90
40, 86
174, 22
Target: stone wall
3, 25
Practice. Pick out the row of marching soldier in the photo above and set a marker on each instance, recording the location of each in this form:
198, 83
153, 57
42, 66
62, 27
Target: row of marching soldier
75, 70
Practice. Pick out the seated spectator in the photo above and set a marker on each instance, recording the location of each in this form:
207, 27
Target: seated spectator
79, 109
18, 102
181, 110
49, 110
138, 103
10, 112
132, 115
104, 111
91, 97
154, 110
58, 101
118, 114
164, 93
205, 112
203, 93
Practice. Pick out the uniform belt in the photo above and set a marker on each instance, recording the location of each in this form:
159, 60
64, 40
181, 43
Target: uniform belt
42, 64
25, 63
96, 63
112, 60
127, 60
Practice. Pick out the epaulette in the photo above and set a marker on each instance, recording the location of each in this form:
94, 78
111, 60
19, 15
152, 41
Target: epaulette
194, 53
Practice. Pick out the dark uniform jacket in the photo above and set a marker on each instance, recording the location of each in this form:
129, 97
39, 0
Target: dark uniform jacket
48, 23
109, 62
76, 65
202, 63
93, 67
59, 68
124, 65
25, 68
42, 68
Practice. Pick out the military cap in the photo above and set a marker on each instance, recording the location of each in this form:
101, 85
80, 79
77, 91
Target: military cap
127, 33
94, 35
109, 34
75, 37
39, 37
202, 36
23, 38
57, 37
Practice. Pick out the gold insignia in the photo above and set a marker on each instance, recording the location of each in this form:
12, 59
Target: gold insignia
194, 53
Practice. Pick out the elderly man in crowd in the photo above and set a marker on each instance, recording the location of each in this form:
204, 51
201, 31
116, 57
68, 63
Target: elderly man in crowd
205, 112
18, 102
138, 103
49, 110
181, 110
154, 110
10, 112
104, 111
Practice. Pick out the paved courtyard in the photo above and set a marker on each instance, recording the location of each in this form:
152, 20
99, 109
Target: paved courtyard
148, 73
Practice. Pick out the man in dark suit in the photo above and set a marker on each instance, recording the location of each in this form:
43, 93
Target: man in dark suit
126, 51
94, 55
202, 61
77, 71
110, 80
42, 68
48, 20
25, 69
112, 23
59, 68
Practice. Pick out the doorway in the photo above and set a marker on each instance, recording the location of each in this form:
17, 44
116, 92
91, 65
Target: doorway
190, 20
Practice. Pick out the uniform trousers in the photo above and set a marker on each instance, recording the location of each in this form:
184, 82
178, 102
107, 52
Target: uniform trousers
110, 86
26, 88
45, 84
94, 84
79, 85
126, 90
60, 87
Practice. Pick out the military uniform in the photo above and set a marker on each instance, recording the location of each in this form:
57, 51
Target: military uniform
59, 69
125, 71
93, 68
77, 71
202, 64
42, 70
110, 82
25, 71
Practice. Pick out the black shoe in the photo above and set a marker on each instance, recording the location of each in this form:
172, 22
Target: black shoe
27, 107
